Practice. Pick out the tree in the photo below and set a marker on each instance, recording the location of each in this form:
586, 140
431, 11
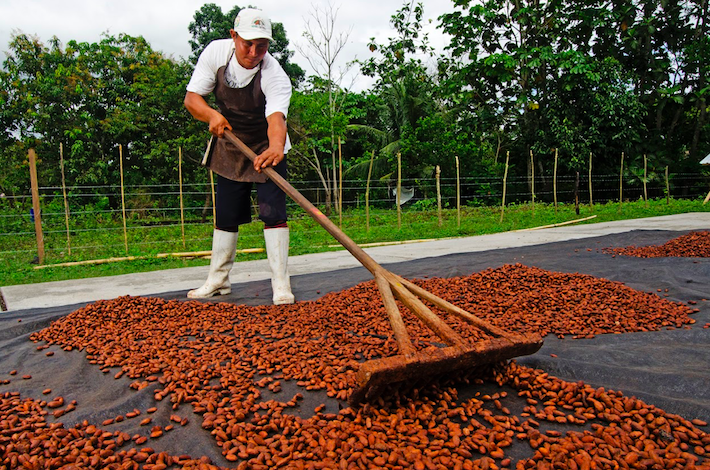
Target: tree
666, 46
311, 128
407, 90
210, 23
581, 75
500, 58
91, 97
322, 51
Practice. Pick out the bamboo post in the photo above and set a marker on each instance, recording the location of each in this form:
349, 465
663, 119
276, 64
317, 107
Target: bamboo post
367, 192
576, 194
340, 189
36, 205
591, 203
458, 194
532, 181
192, 254
399, 189
621, 182
64, 193
336, 189
554, 183
645, 176
668, 188
214, 208
561, 224
123, 198
182, 204
505, 183
438, 192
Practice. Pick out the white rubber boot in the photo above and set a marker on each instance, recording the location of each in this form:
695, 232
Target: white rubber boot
224, 249
277, 252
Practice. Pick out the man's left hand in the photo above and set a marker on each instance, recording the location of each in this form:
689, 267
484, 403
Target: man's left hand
269, 157
276, 131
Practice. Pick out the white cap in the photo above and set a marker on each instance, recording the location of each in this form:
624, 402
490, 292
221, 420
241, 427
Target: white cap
252, 24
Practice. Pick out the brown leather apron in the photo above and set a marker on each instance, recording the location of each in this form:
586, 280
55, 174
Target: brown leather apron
245, 110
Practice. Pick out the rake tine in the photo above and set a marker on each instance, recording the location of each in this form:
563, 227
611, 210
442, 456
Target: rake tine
449, 307
404, 343
436, 324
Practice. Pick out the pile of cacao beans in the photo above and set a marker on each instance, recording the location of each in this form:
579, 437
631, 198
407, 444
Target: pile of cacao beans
244, 371
692, 245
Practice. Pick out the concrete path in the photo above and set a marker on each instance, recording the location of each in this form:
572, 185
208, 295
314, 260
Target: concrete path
61, 293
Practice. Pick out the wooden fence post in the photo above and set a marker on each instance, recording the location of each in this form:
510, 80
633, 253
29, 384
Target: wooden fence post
36, 205
64, 193
645, 178
576, 194
340, 189
532, 181
438, 192
458, 194
554, 183
367, 192
123, 198
399, 189
182, 204
621, 183
591, 204
505, 184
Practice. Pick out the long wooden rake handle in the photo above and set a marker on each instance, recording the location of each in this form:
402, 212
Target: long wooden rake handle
389, 284
312, 210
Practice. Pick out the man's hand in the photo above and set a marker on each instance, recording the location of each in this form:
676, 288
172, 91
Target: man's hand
269, 157
201, 111
218, 124
276, 132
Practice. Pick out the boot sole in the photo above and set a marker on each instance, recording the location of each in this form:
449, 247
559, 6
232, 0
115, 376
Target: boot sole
211, 294
284, 300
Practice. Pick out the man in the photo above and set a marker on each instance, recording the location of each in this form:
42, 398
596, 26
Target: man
253, 93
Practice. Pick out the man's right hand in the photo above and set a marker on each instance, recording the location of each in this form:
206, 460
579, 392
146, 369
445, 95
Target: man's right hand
202, 111
218, 124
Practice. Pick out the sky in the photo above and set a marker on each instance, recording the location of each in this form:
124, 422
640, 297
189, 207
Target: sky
164, 24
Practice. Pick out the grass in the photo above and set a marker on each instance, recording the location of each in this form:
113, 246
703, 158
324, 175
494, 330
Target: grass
107, 240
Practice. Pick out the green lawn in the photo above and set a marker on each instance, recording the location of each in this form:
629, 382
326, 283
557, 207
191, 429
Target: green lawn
106, 240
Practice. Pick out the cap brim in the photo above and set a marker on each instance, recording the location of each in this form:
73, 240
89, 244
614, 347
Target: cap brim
249, 35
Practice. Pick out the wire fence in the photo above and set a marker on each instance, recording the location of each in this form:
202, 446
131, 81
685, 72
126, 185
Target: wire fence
180, 217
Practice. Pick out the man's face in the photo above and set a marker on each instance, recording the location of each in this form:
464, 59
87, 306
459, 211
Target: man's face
249, 52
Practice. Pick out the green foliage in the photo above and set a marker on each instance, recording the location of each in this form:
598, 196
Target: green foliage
312, 128
209, 23
411, 112
82, 101
582, 77
597, 113
425, 204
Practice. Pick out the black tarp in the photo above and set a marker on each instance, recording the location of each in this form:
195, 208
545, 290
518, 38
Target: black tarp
667, 368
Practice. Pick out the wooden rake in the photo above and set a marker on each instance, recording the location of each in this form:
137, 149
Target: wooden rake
409, 364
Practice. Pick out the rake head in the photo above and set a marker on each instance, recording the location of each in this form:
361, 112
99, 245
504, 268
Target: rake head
373, 375
459, 355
